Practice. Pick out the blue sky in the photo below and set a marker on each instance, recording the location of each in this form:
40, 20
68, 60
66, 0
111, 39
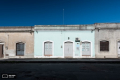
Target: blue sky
50, 12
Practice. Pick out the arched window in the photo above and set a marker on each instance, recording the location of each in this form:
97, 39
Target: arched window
86, 48
104, 45
48, 48
20, 49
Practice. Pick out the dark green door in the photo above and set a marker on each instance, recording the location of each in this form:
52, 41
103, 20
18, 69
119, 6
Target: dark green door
20, 49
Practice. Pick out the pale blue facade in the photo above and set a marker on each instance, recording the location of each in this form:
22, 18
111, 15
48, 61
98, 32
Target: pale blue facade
59, 35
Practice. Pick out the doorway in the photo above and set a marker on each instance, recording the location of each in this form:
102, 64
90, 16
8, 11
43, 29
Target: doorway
118, 48
48, 49
20, 49
1, 51
68, 49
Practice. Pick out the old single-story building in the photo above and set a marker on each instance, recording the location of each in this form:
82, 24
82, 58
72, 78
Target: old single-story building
16, 42
107, 40
64, 41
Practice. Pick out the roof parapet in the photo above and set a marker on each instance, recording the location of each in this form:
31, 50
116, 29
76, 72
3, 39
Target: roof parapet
64, 27
17, 29
107, 25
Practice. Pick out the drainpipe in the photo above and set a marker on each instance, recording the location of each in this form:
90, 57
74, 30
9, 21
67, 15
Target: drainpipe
6, 47
31, 30
8, 41
61, 37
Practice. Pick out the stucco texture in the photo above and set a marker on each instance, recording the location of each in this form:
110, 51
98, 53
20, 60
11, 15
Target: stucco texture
9, 39
58, 37
111, 35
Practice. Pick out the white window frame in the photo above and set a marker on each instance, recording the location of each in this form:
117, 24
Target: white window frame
44, 47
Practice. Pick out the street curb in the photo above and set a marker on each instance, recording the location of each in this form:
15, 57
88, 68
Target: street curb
60, 60
113, 62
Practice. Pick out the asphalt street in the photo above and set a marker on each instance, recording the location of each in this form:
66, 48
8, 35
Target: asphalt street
61, 71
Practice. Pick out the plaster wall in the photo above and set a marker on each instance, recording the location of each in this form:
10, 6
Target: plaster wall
58, 37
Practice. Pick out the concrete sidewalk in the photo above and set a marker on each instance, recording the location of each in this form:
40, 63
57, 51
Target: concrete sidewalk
60, 60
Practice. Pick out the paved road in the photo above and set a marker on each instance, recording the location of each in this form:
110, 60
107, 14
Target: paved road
61, 71
60, 60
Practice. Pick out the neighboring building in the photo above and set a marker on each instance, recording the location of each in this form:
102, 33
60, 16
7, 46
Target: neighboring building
64, 41
107, 40
16, 42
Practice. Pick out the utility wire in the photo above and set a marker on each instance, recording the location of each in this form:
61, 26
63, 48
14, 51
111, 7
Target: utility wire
63, 16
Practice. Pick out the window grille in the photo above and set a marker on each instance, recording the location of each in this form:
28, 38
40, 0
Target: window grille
104, 45
20, 49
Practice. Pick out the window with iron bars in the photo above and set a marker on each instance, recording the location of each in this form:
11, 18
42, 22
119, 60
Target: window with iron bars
104, 45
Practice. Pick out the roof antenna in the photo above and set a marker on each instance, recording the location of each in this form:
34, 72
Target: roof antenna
63, 16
